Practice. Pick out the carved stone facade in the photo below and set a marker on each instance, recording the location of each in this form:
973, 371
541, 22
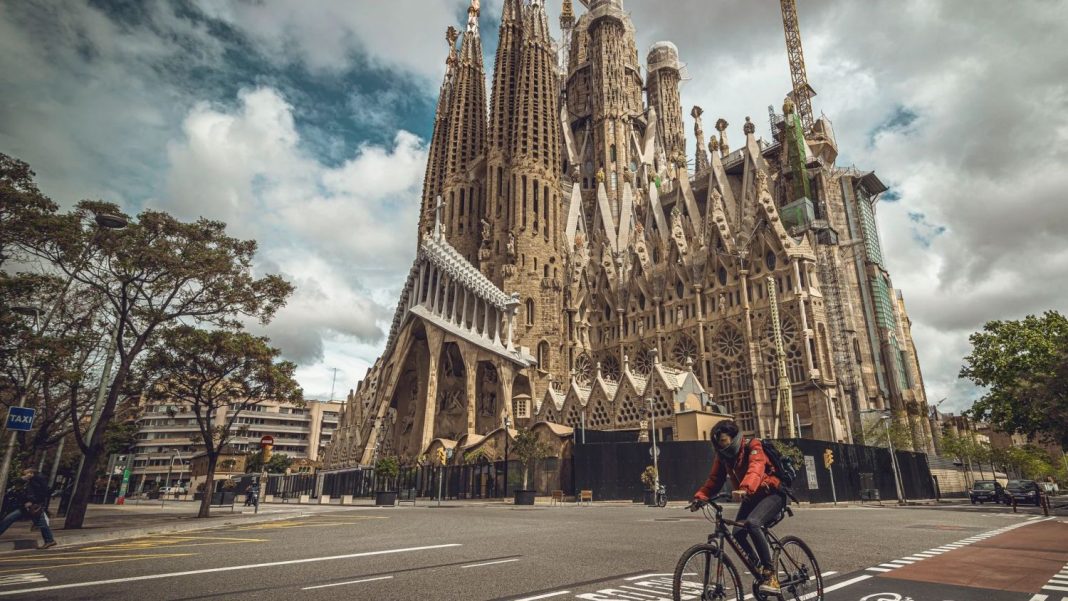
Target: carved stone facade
587, 262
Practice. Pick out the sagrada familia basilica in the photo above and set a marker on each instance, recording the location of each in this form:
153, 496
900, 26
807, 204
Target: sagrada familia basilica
581, 265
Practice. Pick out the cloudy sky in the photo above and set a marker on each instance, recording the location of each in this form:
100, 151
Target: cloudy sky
304, 125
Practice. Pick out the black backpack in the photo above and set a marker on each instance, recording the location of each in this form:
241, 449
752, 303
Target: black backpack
785, 470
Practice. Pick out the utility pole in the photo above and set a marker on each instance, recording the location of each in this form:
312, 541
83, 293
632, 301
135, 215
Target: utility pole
656, 453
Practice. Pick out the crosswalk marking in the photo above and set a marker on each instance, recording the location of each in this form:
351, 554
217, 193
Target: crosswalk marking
27, 578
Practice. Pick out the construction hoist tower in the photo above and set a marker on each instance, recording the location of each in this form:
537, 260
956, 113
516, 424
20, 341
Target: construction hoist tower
785, 391
802, 92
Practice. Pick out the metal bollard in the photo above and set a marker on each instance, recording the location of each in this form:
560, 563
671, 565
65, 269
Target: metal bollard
1014, 505
1045, 504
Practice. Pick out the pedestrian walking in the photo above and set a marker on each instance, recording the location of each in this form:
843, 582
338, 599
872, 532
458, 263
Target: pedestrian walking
32, 504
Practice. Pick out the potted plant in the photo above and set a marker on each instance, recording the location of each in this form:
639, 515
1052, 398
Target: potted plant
388, 469
649, 482
529, 449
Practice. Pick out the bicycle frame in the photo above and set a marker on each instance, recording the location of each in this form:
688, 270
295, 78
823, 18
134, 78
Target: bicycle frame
723, 533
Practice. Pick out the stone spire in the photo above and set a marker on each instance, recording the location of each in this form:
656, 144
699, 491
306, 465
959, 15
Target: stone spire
466, 143
536, 135
502, 120
535, 214
701, 157
435, 166
662, 84
567, 16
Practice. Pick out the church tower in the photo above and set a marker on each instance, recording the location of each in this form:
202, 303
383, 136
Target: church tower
435, 165
534, 214
665, 76
605, 102
465, 144
502, 121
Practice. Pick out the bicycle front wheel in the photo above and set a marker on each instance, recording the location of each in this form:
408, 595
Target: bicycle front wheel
799, 573
705, 573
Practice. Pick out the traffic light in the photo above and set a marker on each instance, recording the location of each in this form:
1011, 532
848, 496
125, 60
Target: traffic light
441, 456
828, 458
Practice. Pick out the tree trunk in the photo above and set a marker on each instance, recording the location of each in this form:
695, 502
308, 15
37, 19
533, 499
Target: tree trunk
526, 472
79, 503
209, 487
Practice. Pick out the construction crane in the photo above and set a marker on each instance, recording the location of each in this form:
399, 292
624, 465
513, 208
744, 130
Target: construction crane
802, 92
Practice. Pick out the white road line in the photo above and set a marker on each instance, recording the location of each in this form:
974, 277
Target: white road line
879, 570
545, 596
835, 587
892, 566
271, 564
903, 562
1039, 598
926, 555
826, 574
643, 576
1049, 587
308, 588
489, 563
913, 558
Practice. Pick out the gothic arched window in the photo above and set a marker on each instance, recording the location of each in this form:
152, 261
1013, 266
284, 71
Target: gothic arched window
530, 311
543, 356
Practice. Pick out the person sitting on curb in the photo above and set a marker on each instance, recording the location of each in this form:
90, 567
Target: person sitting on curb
32, 505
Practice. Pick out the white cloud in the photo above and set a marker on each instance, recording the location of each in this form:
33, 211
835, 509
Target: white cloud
408, 35
333, 231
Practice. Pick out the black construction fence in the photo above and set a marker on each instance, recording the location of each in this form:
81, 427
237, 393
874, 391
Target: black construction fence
612, 469
483, 480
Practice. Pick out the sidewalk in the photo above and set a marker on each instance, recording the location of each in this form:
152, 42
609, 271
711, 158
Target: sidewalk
109, 522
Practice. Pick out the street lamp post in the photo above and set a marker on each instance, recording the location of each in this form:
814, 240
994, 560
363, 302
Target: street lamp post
507, 426
170, 466
113, 222
893, 457
656, 453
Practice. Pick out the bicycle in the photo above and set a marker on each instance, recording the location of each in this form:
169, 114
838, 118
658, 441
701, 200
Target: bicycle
706, 573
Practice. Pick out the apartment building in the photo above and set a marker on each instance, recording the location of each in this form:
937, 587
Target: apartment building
168, 436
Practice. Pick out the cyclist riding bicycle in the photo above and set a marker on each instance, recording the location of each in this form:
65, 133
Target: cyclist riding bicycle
755, 485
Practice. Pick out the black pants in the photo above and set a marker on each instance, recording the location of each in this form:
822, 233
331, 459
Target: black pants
756, 514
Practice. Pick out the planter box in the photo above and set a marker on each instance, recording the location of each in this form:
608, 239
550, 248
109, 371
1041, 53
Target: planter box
304, 499
385, 499
346, 499
525, 497
324, 500
650, 498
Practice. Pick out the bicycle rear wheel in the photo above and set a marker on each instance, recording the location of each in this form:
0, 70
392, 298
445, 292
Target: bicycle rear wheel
705, 573
799, 572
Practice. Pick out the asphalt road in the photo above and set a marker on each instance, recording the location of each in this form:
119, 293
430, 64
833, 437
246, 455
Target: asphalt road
599, 553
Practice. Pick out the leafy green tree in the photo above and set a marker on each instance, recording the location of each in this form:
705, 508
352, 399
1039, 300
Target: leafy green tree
22, 206
49, 368
1023, 366
874, 432
388, 468
529, 449
277, 464
219, 374
155, 273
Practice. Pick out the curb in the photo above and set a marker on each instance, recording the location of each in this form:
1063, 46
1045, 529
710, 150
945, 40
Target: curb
193, 525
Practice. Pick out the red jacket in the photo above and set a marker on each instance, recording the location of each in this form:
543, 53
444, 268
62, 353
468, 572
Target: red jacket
751, 472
